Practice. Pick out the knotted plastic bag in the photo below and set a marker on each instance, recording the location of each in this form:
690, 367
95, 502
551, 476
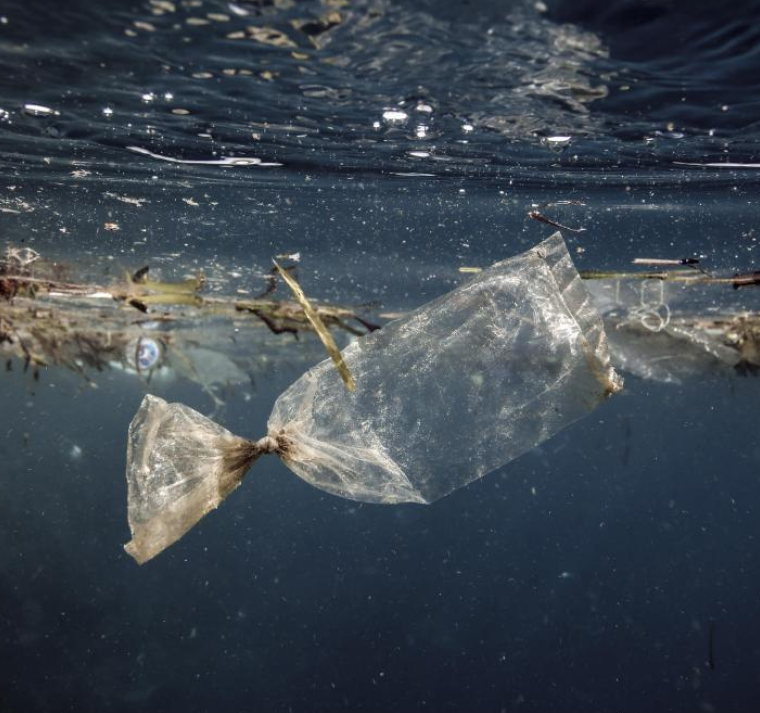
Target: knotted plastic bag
443, 396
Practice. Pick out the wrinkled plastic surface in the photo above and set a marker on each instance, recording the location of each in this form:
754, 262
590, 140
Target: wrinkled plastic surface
178, 470
454, 390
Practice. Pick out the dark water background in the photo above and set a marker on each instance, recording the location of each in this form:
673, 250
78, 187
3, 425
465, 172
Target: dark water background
410, 138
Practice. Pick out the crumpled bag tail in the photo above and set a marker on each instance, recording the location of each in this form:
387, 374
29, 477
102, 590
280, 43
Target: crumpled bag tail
180, 466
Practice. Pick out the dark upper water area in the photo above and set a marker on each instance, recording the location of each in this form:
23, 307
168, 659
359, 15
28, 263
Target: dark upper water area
385, 146
540, 92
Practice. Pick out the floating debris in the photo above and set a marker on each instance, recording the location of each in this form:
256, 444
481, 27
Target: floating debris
548, 221
319, 327
539, 343
38, 110
139, 324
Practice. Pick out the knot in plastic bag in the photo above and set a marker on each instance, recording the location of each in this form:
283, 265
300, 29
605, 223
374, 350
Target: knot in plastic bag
268, 444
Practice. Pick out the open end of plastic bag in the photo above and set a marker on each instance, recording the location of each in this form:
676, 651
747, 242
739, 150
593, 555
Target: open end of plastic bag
443, 396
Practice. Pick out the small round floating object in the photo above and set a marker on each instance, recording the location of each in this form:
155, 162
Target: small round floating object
146, 354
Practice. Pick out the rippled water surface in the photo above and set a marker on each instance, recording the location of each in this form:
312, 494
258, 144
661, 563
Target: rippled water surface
448, 89
383, 146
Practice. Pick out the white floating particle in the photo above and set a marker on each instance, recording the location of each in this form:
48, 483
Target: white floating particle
558, 141
419, 154
421, 131
148, 97
237, 9
39, 110
467, 128
424, 108
395, 116
107, 111
168, 96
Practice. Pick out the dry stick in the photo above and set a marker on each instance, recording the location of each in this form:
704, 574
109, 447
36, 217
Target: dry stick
320, 328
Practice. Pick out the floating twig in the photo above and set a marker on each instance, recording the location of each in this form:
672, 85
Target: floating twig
746, 279
319, 327
690, 262
543, 219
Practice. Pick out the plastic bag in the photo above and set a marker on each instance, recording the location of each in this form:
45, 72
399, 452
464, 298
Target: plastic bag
443, 396
667, 330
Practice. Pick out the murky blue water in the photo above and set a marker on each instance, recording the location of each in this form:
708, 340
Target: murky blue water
389, 143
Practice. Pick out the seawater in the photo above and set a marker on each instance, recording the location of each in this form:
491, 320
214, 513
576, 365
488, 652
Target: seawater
614, 568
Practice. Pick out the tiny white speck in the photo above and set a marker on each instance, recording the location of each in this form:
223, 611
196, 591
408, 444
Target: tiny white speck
107, 111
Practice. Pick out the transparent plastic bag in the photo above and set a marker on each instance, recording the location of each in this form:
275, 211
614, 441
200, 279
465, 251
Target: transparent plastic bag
668, 330
443, 396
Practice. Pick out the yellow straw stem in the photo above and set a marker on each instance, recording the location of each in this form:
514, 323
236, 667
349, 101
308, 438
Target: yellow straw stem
319, 328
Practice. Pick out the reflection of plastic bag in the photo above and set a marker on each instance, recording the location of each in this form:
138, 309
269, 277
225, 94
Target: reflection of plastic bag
667, 330
443, 396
